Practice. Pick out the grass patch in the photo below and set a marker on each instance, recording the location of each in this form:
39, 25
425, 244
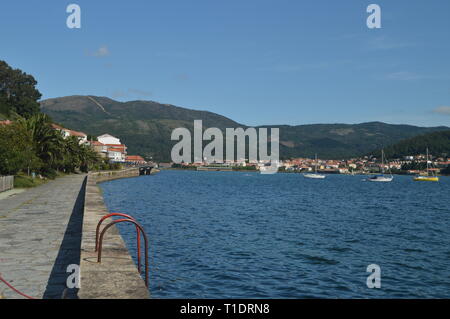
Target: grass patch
27, 181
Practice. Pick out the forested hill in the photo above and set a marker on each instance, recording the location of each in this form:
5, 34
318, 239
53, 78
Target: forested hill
438, 144
146, 126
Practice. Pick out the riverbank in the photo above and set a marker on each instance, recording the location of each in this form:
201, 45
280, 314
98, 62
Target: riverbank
116, 277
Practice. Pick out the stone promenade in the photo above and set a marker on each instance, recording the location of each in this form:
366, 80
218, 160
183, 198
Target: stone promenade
40, 235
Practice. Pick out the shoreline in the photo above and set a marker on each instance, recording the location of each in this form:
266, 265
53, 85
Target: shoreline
288, 172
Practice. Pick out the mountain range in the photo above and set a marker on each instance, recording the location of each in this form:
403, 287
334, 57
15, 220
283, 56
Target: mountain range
146, 126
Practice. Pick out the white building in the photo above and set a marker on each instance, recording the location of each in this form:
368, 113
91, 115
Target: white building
116, 155
108, 139
82, 137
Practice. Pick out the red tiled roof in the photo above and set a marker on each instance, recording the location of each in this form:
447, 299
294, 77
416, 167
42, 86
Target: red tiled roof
115, 149
97, 143
116, 145
71, 132
134, 158
75, 133
56, 126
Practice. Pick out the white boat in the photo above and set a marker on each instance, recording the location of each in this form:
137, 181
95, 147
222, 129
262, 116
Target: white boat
317, 176
269, 168
314, 175
382, 177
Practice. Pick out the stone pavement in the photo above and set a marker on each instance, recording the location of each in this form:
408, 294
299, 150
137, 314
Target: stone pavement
40, 235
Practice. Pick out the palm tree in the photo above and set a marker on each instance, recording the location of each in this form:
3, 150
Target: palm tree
46, 142
55, 151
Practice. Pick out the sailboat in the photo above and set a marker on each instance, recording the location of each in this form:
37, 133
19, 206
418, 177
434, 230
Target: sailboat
427, 178
382, 177
315, 175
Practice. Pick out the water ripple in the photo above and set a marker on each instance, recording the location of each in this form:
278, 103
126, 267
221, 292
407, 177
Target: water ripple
246, 235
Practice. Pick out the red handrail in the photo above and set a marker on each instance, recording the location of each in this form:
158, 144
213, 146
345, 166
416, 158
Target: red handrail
138, 235
100, 244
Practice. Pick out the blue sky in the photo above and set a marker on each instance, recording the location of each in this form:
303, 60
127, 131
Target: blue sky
256, 61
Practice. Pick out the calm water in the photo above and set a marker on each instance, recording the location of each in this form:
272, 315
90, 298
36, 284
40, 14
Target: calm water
246, 235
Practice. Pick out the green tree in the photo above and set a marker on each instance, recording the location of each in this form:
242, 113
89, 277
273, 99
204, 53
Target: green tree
47, 142
76, 155
18, 93
16, 150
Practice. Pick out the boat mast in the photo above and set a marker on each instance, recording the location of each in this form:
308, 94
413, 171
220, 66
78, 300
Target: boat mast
315, 166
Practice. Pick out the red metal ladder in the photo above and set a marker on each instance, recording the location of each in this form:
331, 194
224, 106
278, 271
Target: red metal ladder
139, 230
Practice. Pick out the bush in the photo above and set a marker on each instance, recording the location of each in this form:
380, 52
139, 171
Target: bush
27, 181
49, 173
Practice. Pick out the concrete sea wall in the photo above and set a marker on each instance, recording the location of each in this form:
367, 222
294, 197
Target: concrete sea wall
116, 277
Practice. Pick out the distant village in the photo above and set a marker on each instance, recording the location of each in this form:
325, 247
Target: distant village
363, 165
112, 149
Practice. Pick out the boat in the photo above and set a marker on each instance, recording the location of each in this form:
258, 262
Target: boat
427, 178
314, 175
215, 167
269, 168
381, 177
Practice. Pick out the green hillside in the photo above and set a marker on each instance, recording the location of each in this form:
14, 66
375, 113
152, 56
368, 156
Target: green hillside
438, 144
145, 126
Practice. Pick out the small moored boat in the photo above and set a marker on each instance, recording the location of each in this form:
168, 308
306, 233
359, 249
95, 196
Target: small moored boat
381, 177
314, 175
427, 178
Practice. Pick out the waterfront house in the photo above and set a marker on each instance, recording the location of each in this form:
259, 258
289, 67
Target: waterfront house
99, 148
135, 160
165, 165
116, 155
82, 137
115, 150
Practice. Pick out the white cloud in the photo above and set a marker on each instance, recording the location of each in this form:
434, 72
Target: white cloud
116, 94
442, 110
138, 92
100, 52
129, 93
385, 43
297, 67
404, 76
